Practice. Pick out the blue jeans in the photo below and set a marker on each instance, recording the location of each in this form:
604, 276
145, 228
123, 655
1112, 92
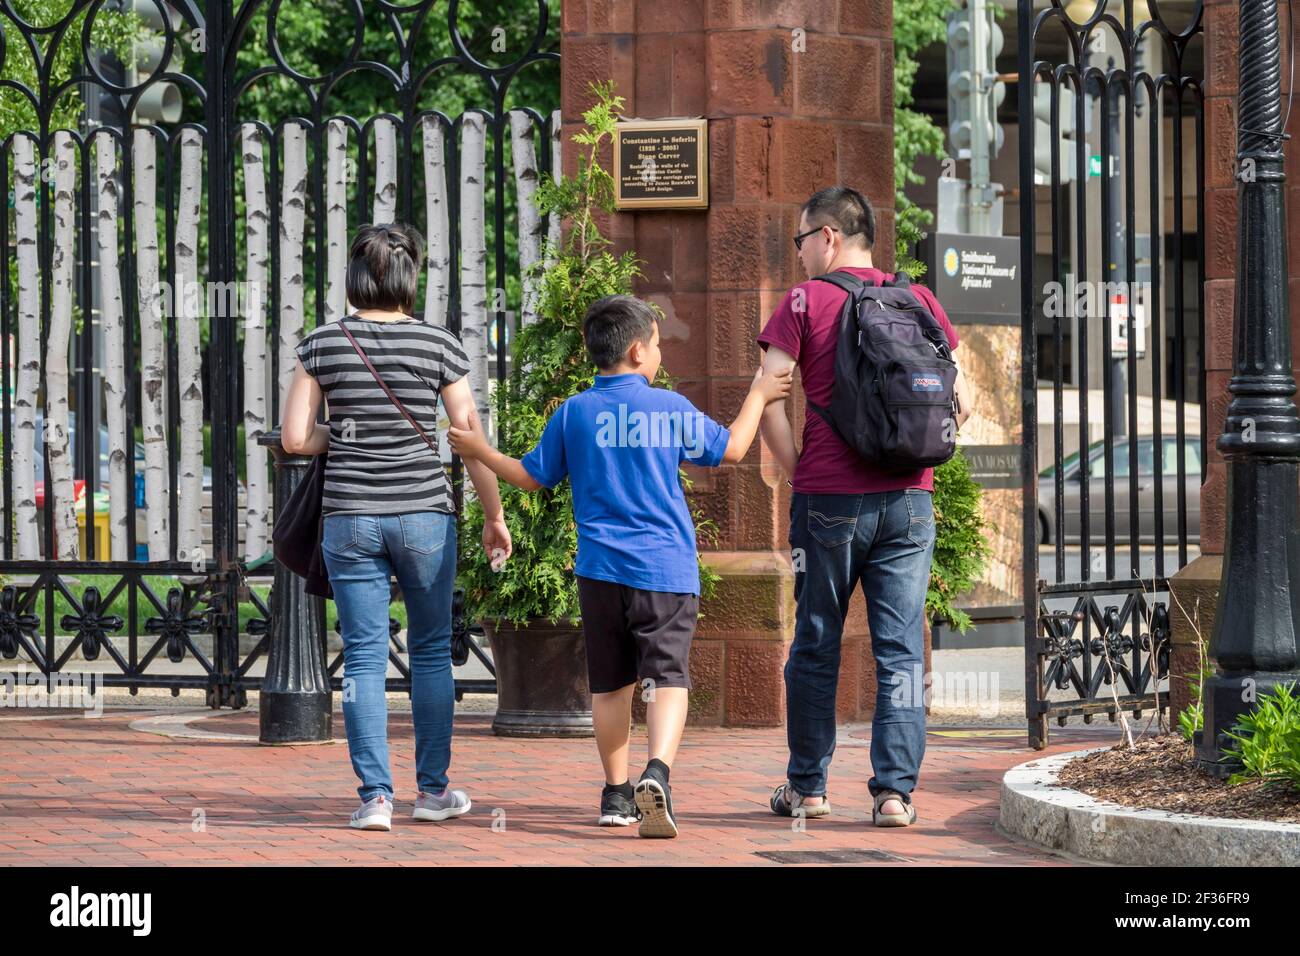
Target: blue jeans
885, 540
361, 553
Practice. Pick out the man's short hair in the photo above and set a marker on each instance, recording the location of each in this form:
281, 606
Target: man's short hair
611, 326
845, 209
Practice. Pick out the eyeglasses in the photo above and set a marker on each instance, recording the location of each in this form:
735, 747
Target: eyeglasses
798, 240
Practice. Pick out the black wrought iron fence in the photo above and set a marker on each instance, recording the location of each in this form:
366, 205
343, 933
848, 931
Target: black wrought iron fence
1112, 272
132, 546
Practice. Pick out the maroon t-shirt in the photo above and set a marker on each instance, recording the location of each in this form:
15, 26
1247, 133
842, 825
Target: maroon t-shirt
826, 465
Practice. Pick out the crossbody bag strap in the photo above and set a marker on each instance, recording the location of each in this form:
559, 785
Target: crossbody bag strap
387, 391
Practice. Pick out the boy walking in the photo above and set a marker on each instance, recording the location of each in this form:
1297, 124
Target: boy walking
621, 443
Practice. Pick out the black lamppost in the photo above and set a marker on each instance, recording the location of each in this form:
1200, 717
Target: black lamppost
295, 705
1254, 639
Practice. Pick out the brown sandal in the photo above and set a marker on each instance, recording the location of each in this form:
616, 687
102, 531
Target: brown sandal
905, 819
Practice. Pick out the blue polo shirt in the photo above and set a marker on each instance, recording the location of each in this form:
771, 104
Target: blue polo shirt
621, 443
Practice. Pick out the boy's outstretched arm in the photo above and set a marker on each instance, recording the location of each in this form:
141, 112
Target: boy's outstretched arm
767, 387
472, 445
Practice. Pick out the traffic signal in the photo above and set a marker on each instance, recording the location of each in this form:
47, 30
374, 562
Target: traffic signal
1044, 142
161, 101
974, 91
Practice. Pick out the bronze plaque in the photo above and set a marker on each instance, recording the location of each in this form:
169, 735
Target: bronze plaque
661, 164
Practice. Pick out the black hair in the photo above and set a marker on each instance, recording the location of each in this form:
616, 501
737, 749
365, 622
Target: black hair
384, 267
845, 209
611, 326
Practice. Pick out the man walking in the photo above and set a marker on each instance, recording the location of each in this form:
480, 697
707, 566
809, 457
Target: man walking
849, 522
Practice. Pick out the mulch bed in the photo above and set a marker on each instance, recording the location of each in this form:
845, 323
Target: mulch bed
1158, 774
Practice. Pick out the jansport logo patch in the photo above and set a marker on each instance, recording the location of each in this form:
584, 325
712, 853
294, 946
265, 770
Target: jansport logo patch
926, 382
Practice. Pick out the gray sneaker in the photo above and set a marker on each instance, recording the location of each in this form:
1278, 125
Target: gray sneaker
440, 806
375, 814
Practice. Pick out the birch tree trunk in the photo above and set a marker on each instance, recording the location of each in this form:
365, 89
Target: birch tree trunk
336, 220
58, 480
189, 542
473, 262
385, 171
255, 371
531, 226
28, 360
554, 225
153, 351
110, 317
293, 211
437, 248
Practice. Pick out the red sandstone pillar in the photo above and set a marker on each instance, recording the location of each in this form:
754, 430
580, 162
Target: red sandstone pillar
1197, 585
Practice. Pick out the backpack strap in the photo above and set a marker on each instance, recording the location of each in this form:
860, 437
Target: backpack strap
930, 326
846, 281
852, 285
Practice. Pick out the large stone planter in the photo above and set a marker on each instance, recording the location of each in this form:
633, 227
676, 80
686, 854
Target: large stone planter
541, 673
1036, 807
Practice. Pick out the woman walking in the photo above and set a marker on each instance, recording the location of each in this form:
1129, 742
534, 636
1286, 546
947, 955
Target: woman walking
387, 507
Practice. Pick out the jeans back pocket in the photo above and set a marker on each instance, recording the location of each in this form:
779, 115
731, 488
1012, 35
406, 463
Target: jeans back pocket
339, 536
423, 532
920, 511
833, 519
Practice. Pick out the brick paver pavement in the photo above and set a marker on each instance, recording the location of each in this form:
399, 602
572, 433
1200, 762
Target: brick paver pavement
95, 791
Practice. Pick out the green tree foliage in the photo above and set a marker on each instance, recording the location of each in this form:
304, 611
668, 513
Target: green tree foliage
550, 364
111, 30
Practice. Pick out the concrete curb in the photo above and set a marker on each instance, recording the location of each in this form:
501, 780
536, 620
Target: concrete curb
181, 726
1036, 808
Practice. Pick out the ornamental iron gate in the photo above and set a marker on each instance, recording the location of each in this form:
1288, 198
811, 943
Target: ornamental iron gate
170, 613
1112, 271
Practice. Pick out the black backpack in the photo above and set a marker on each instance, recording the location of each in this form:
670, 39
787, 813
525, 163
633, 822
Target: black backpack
893, 400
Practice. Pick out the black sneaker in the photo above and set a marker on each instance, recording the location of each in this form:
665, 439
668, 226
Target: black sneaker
654, 798
617, 809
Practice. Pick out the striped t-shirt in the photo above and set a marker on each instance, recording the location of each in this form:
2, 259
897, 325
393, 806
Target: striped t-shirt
378, 463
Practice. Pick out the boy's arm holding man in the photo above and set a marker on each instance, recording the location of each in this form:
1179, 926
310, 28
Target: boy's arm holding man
769, 386
776, 428
471, 443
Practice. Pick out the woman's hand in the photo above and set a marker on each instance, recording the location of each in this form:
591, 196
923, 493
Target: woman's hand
496, 541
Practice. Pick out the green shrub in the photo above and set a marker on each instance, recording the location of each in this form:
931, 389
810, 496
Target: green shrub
960, 546
550, 364
1268, 739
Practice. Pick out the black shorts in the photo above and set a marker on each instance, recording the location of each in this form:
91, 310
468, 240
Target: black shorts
636, 635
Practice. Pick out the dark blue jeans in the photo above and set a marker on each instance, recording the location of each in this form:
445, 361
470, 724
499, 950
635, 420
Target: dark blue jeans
885, 541
362, 552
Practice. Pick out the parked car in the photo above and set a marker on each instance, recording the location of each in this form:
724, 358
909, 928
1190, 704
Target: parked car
142, 505
1096, 474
